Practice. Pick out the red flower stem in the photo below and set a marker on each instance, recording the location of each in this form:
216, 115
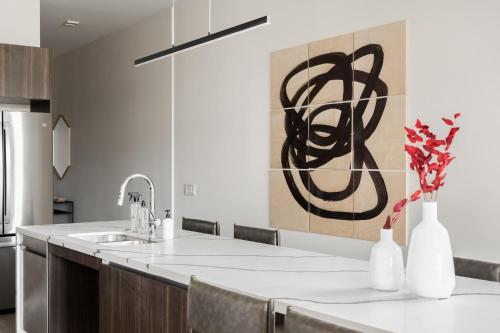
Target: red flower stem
395, 218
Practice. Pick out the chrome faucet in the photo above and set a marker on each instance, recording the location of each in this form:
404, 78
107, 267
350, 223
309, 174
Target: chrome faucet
152, 216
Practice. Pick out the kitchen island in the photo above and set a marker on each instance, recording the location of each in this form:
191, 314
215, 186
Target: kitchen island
143, 287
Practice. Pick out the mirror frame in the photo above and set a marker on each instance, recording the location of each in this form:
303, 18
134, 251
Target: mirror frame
61, 118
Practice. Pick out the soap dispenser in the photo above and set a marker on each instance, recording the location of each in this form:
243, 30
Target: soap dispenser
168, 225
135, 197
143, 218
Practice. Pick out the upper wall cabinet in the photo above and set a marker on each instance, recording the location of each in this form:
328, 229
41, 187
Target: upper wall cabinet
24, 72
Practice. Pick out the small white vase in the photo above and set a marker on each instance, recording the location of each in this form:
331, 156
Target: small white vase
430, 271
386, 263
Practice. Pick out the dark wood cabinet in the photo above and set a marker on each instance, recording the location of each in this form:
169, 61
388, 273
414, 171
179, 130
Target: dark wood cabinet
134, 302
24, 73
88, 296
73, 291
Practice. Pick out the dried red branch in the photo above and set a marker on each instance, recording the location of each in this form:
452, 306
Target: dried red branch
429, 158
398, 207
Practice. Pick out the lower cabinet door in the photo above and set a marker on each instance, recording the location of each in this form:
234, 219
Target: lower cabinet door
7, 276
134, 302
34, 301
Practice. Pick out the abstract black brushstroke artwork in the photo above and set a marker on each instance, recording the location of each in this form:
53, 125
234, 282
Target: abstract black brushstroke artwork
298, 130
311, 143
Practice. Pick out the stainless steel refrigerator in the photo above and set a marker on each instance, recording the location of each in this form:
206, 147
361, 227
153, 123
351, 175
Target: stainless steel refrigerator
25, 184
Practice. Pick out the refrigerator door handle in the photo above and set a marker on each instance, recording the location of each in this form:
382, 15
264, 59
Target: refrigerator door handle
4, 176
5, 166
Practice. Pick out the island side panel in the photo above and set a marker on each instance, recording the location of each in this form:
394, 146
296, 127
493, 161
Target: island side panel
73, 291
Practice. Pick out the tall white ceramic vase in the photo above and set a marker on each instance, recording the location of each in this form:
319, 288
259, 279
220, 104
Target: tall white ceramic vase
386, 263
430, 271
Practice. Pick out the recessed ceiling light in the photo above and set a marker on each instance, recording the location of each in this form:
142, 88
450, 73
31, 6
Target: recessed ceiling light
71, 23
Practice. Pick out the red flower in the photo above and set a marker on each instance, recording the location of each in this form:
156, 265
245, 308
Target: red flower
416, 195
409, 131
435, 143
451, 136
387, 224
399, 205
448, 121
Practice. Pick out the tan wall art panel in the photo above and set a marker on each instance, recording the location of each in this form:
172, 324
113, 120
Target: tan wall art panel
289, 133
286, 211
330, 191
368, 202
329, 143
386, 143
290, 66
321, 56
381, 49
338, 108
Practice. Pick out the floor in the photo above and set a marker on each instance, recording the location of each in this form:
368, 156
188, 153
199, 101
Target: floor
7, 323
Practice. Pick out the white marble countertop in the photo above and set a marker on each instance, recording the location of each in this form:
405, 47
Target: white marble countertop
328, 287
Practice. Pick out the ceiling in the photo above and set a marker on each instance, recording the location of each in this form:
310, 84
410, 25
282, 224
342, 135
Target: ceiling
97, 18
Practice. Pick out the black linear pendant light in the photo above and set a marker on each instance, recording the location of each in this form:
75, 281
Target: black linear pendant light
211, 37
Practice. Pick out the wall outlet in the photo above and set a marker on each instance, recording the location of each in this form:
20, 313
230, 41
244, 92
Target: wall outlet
189, 190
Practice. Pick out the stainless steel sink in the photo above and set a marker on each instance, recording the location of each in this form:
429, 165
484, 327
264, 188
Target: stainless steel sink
113, 239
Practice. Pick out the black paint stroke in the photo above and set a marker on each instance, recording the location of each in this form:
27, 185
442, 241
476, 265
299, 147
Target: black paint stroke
327, 142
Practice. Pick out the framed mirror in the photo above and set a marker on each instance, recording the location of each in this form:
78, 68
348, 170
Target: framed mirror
61, 146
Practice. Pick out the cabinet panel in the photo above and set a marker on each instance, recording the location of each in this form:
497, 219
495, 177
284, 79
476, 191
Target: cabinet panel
133, 302
88, 296
24, 72
34, 293
73, 291
34, 304
7, 277
40, 76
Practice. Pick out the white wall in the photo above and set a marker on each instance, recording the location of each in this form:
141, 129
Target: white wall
222, 109
20, 22
120, 118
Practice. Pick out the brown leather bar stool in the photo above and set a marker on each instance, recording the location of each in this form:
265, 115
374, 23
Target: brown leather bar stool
201, 226
476, 269
259, 235
296, 322
211, 309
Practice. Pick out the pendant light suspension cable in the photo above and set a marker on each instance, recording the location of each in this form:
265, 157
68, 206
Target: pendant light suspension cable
209, 38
